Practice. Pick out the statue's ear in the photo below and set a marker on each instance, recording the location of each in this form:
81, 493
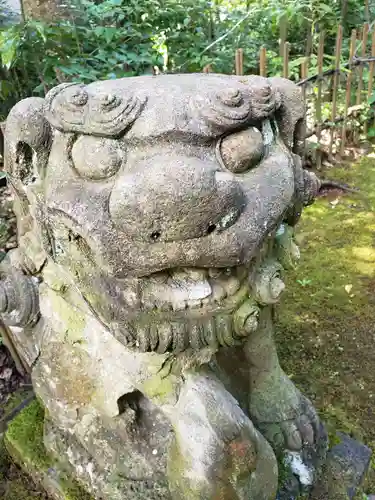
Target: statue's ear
27, 144
27, 141
290, 114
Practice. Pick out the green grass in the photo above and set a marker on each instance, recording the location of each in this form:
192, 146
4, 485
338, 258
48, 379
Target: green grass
326, 322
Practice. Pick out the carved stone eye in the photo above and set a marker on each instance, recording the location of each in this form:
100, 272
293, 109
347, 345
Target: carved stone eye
243, 150
96, 157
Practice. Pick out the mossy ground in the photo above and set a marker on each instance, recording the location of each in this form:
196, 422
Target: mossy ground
24, 441
25, 435
326, 322
15, 484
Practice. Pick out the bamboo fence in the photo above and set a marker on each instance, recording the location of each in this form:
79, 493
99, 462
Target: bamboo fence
336, 93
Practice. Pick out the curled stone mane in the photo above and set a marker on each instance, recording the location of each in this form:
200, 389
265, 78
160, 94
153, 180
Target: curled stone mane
73, 107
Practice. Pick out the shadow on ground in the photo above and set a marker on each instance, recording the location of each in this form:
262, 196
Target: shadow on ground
326, 322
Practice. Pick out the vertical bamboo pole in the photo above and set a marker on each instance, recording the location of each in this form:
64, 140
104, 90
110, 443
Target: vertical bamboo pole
318, 110
263, 62
353, 42
364, 36
239, 62
371, 68
367, 11
370, 88
286, 60
283, 33
305, 65
364, 33
305, 74
336, 80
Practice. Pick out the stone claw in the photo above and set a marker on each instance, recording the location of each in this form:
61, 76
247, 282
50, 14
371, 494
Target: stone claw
294, 434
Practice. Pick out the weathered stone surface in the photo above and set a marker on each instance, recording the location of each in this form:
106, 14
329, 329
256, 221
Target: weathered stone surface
343, 471
157, 213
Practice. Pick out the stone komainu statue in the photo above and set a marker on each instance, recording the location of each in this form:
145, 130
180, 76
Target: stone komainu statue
155, 219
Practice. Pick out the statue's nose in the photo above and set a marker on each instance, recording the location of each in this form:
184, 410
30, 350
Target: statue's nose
175, 198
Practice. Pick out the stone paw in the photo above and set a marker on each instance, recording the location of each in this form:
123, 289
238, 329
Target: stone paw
300, 439
294, 434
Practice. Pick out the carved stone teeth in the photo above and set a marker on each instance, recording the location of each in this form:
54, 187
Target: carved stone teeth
143, 339
180, 337
195, 337
220, 331
165, 336
154, 337
210, 333
231, 285
218, 292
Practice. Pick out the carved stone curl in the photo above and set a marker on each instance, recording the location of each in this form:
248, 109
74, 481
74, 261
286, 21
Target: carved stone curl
19, 304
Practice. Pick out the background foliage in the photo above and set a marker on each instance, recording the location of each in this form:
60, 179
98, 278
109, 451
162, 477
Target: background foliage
116, 38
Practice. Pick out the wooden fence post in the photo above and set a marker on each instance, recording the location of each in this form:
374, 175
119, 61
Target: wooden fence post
239, 62
304, 75
286, 60
370, 88
336, 78
318, 104
353, 42
364, 36
263, 62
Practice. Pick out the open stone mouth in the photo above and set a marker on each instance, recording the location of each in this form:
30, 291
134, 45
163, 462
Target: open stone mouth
182, 289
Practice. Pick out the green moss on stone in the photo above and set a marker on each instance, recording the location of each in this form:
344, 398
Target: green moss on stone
24, 441
159, 389
25, 436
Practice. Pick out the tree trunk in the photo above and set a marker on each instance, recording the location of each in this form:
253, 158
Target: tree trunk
47, 10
